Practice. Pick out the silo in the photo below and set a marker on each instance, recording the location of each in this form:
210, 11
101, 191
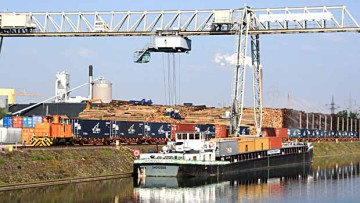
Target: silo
102, 89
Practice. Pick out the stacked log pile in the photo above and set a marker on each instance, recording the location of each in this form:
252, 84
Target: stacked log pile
273, 118
192, 114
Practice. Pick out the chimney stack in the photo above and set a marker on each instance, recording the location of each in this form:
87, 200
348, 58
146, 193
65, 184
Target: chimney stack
90, 81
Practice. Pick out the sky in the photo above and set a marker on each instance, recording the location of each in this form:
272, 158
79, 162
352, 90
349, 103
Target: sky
308, 67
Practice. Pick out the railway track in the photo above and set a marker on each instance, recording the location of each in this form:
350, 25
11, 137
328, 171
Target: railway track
61, 181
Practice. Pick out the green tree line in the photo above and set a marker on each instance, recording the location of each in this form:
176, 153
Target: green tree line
345, 114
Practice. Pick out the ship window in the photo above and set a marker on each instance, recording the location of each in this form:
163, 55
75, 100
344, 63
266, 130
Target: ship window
246, 148
179, 136
194, 158
191, 136
197, 136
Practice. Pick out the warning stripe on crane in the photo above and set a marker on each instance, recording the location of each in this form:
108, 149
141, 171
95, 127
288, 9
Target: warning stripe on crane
41, 142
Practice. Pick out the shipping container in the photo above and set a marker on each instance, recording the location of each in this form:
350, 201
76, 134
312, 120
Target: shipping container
36, 119
275, 142
17, 122
157, 130
131, 129
220, 131
261, 143
338, 134
7, 121
275, 132
331, 133
28, 122
244, 130
181, 127
208, 129
305, 133
10, 135
295, 133
323, 133
226, 147
96, 129
246, 146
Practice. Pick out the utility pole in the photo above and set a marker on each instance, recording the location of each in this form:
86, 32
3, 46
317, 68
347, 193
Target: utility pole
351, 103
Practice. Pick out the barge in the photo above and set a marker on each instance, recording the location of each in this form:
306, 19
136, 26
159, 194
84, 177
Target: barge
191, 155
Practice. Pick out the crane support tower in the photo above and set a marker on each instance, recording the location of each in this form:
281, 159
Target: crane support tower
178, 25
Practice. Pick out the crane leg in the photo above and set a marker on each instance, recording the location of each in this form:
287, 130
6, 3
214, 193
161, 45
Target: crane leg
1, 42
239, 76
257, 82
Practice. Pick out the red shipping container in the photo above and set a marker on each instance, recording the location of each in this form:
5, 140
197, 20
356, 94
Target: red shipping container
274, 132
17, 122
281, 132
220, 131
181, 127
275, 142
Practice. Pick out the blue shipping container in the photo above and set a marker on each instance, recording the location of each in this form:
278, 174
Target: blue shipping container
25, 122
208, 129
7, 121
130, 129
96, 129
294, 133
244, 130
157, 130
304, 133
331, 134
28, 122
37, 119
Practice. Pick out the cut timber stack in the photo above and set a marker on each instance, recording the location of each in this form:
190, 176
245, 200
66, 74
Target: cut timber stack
272, 118
192, 114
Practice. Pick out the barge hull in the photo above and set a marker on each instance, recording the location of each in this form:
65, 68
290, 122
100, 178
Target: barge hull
233, 168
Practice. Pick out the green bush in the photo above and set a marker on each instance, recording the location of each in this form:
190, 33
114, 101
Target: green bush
2, 113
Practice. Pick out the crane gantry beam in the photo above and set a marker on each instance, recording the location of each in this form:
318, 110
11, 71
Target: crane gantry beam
186, 22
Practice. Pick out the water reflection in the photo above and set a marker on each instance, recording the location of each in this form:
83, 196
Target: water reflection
118, 190
327, 180
253, 186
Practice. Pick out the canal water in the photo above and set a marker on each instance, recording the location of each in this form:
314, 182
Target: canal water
335, 179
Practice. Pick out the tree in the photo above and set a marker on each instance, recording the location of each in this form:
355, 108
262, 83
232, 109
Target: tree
2, 113
344, 114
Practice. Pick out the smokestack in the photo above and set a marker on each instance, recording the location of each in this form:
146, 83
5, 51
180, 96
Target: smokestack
90, 81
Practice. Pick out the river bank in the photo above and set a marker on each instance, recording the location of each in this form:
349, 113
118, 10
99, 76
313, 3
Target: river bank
41, 165
324, 149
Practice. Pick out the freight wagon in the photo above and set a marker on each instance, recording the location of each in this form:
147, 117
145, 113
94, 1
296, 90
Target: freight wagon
51, 130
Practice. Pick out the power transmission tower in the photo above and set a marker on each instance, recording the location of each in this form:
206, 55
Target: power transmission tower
333, 105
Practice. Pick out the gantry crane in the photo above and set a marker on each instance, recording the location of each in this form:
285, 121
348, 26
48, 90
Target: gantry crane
242, 23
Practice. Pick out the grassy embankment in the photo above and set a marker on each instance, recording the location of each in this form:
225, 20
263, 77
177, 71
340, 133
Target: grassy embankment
41, 165
324, 149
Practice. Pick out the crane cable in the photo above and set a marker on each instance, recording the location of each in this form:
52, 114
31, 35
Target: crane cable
164, 78
174, 80
171, 80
